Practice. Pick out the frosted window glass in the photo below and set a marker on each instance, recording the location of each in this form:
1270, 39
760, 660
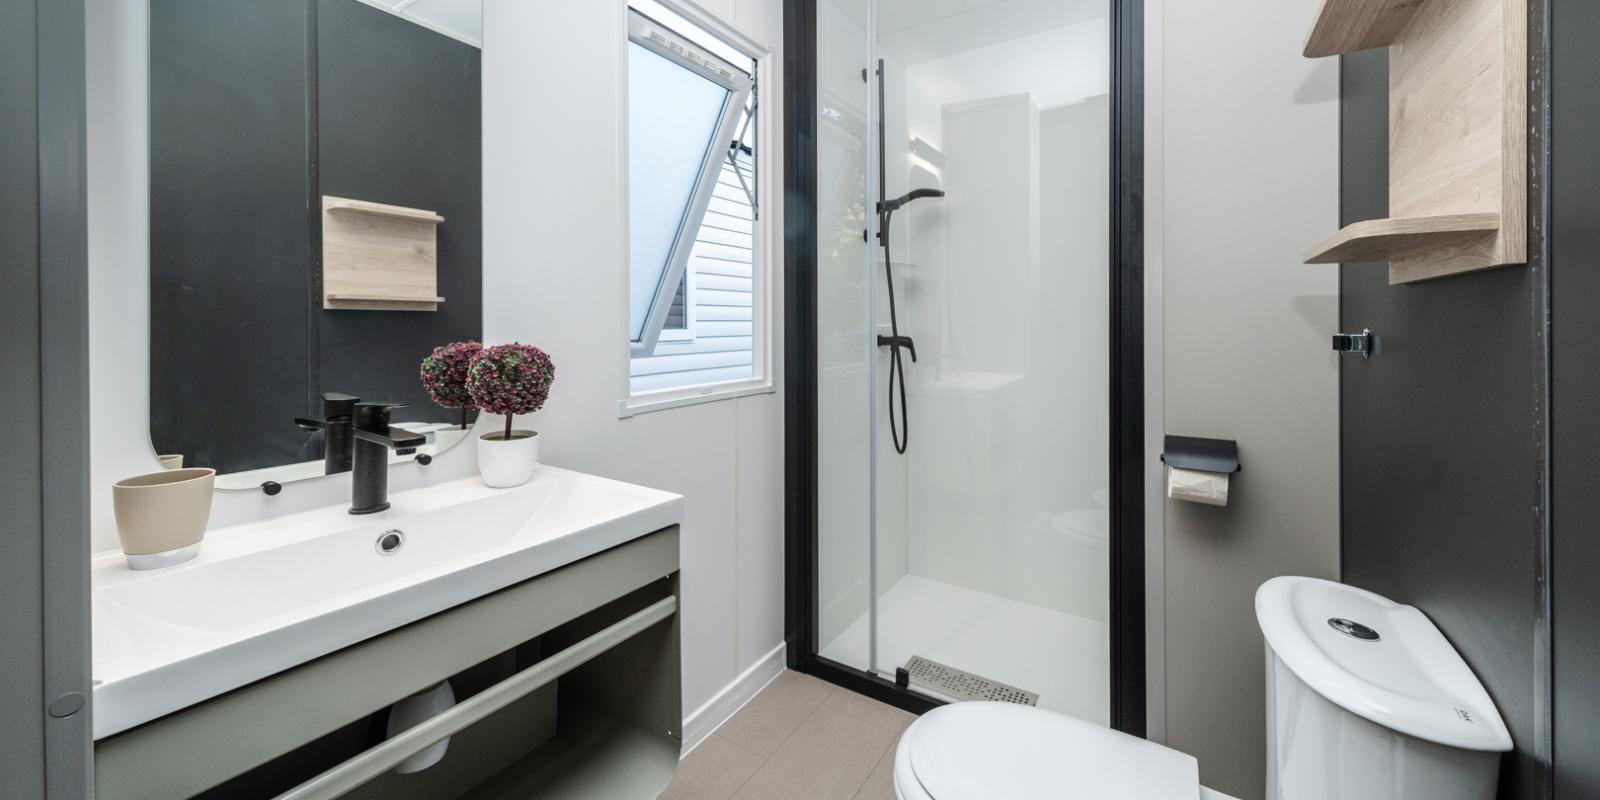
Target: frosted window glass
673, 114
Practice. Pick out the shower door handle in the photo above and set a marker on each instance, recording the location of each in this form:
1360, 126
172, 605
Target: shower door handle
899, 342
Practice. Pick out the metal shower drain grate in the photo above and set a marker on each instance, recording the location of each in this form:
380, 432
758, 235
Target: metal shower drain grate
963, 685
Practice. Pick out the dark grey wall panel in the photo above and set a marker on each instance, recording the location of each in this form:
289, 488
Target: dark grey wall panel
399, 111
1440, 463
230, 251
22, 691
1575, 401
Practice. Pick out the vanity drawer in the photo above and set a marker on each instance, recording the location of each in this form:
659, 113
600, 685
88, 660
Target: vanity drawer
186, 753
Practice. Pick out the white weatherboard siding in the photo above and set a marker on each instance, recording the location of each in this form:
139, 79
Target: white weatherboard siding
720, 346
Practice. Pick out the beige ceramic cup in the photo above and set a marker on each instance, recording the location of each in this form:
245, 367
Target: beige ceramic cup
174, 461
161, 517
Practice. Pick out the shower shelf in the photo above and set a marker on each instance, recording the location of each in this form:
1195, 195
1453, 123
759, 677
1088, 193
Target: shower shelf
1457, 138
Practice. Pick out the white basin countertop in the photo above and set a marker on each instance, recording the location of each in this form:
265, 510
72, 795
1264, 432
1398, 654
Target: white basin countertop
267, 596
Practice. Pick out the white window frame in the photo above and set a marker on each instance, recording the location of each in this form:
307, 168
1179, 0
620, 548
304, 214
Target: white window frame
766, 237
664, 42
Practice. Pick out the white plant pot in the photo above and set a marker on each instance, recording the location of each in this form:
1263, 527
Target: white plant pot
505, 463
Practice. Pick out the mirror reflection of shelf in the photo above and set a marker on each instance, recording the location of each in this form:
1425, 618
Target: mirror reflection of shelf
344, 204
1457, 133
379, 257
383, 298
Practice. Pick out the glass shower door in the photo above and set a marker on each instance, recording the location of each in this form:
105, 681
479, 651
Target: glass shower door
844, 371
982, 330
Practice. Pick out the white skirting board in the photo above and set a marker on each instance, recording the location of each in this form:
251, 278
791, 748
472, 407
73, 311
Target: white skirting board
707, 718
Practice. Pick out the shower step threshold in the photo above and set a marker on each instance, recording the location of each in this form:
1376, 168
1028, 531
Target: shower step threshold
960, 685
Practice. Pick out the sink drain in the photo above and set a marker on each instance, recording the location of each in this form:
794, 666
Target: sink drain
389, 542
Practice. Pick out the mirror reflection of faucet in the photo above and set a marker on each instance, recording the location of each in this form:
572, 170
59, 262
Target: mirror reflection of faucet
335, 428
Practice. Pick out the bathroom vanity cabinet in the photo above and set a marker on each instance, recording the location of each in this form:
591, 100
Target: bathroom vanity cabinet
567, 685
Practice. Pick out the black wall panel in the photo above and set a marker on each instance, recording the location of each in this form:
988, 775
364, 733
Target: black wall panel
230, 249
399, 112
1440, 460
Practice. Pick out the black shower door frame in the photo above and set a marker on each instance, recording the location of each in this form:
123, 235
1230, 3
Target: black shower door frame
1126, 465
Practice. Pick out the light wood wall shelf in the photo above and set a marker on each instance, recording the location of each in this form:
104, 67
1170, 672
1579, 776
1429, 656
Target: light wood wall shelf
379, 257
1457, 133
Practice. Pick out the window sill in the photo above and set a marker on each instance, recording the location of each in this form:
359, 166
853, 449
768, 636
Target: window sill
693, 395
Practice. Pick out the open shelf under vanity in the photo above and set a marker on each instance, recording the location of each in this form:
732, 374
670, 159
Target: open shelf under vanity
566, 685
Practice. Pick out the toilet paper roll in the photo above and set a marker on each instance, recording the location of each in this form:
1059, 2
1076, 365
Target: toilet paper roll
1210, 488
415, 710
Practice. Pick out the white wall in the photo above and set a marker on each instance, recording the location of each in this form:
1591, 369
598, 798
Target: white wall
546, 255
1244, 177
554, 274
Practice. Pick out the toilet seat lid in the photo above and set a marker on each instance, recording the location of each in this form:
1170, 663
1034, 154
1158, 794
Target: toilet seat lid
968, 751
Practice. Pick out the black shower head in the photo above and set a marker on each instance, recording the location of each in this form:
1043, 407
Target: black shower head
890, 206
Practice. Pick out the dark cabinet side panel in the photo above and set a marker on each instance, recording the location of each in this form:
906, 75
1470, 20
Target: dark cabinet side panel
1439, 486
1575, 401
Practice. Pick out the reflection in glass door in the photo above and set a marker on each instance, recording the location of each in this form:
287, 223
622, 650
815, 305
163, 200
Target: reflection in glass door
963, 303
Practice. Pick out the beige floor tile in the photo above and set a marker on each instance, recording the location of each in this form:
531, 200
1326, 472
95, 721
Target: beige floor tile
829, 757
713, 771
771, 716
880, 784
882, 715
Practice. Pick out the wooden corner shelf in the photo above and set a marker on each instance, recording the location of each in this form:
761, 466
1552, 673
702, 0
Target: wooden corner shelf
1348, 26
1383, 239
379, 257
1457, 133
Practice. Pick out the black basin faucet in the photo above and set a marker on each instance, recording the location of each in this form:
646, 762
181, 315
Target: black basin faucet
335, 424
369, 486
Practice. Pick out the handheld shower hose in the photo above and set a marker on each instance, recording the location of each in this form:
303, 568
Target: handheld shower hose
899, 430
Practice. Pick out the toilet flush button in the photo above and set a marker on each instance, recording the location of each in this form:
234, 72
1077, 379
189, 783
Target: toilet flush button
1352, 629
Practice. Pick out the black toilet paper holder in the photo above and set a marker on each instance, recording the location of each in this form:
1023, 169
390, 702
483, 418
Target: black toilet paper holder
1201, 455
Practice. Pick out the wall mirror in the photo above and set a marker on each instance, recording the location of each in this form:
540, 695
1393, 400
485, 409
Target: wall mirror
315, 225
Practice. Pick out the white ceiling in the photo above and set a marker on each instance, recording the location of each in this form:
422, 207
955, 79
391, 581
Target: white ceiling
458, 19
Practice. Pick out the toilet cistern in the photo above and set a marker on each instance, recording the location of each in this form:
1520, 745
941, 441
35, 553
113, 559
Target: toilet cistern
1366, 700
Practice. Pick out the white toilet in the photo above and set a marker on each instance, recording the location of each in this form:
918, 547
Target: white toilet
990, 751
1365, 701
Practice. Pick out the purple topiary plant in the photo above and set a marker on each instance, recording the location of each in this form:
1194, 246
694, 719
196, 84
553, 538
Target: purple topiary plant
444, 375
510, 379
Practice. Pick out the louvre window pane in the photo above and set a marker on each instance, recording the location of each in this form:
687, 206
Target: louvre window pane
673, 118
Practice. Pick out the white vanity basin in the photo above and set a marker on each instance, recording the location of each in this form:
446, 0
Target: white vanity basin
271, 595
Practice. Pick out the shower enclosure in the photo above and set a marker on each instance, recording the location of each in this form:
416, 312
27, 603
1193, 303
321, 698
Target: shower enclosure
964, 348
